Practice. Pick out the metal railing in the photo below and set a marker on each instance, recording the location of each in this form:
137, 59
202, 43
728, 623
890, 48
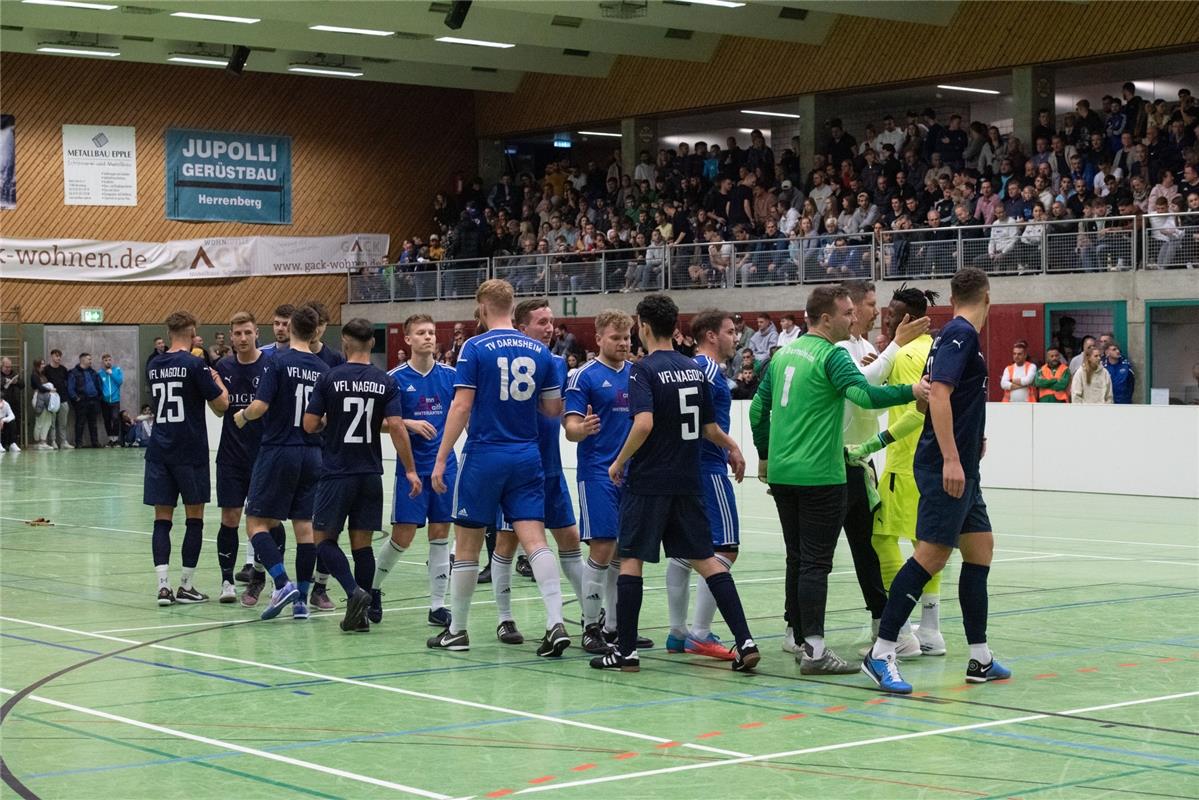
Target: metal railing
1047, 246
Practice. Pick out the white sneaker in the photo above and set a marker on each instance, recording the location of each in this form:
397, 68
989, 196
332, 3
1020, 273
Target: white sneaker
42, 446
66, 446
789, 645
932, 643
228, 592
12, 448
908, 646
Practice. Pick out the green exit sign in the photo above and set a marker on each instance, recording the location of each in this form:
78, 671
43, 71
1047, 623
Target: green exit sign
91, 315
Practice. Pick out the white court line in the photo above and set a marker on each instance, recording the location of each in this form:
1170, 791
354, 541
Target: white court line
379, 686
1004, 534
65, 499
852, 744
218, 743
77, 480
94, 527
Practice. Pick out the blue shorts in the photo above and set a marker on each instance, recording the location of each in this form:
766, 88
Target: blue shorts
599, 510
283, 485
559, 512
356, 497
941, 519
428, 506
494, 481
721, 507
232, 484
675, 523
164, 484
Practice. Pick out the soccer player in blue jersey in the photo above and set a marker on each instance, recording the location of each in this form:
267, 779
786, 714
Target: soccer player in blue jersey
951, 512
177, 458
662, 506
597, 417
283, 484
350, 402
504, 379
534, 319
715, 337
426, 391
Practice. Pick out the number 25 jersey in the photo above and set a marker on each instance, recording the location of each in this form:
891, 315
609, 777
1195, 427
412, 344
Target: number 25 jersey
510, 374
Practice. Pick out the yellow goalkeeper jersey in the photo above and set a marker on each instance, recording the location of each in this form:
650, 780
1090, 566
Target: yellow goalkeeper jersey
908, 368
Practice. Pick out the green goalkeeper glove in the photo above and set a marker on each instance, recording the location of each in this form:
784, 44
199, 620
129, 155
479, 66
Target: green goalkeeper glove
872, 445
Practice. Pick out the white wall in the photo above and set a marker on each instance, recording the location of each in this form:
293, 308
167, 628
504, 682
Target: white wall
1141, 450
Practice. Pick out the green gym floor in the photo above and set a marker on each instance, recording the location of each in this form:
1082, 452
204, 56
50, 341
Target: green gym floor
1095, 606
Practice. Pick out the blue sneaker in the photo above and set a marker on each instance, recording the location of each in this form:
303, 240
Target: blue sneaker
675, 644
279, 599
439, 617
885, 673
981, 673
299, 609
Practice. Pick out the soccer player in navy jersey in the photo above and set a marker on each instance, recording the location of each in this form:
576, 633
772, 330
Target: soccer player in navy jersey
350, 402
715, 337
279, 328
426, 390
662, 505
534, 319
951, 512
504, 379
283, 484
177, 458
597, 417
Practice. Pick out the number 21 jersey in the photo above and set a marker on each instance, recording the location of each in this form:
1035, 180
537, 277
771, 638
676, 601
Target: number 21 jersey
354, 399
510, 373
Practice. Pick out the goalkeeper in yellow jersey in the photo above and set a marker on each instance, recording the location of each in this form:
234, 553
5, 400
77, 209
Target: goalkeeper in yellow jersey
897, 486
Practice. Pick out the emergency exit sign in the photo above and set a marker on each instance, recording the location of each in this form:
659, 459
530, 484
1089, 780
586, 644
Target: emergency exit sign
91, 315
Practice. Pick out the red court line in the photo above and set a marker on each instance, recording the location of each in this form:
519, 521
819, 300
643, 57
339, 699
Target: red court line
708, 735
1129, 665
667, 745
582, 768
795, 716
1166, 660
964, 687
499, 793
1088, 669
836, 709
919, 694
543, 779
749, 725
624, 756
876, 701
1044, 676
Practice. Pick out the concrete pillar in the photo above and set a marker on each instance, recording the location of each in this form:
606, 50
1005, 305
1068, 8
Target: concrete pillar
637, 134
814, 110
492, 161
1033, 88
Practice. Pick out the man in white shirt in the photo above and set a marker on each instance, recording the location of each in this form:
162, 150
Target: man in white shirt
1019, 376
766, 337
891, 135
790, 331
1001, 247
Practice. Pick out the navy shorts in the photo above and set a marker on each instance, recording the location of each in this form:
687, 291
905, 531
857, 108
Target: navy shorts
283, 485
358, 498
599, 509
164, 484
559, 513
428, 506
232, 485
721, 507
494, 481
941, 519
675, 523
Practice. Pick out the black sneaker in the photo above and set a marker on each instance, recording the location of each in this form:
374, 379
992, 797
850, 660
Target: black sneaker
594, 641
440, 617
249, 597
245, 574
190, 595
357, 605
555, 642
165, 597
747, 657
614, 660
642, 643
508, 634
485, 574
449, 641
523, 567
319, 597
374, 614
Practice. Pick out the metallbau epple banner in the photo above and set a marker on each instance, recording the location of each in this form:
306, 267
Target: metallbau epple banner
228, 177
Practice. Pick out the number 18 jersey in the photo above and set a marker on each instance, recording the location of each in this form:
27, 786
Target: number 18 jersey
286, 386
354, 399
510, 373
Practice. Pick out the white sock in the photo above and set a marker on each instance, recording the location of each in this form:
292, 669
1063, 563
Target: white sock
593, 591
250, 558
186, 577
439, 571
501, 584
321, 577
882, 647
906, 629
610, 594
164, 575
705, 604
930, 612
570, 562
549, 583
463, 579
981, 653
678, 595
817, 645
385, 560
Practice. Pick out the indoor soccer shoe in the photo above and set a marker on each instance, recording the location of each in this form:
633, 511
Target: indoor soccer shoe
190, 595
357, 605
299, 609
508, 634
555, 642
789, 645
319, 597
449, 641
245, 574
440, 617
675, 644
228, 592
642, 642
523, 568
932, 643
746, 657
614, 660
279, 600
908, 646
249, 598
165, 597
594, 641
885, 673
375, 612
710, 647
981, 673
829, 663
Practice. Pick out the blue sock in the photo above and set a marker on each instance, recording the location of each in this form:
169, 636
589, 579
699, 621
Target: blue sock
902, 598
160, 543
305, 564
193, 540
628, 601
335, 561
269, 557
972, 595
364, 566
724, 592
226, 551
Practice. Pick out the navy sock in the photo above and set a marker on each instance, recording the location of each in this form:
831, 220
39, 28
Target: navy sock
321, 565
269, 556
905, 593
160, 543
489, 540
335, 561
724, 592
279, 536
628, 600
972, 595
364, 567
305, 564
226, 551
193, 540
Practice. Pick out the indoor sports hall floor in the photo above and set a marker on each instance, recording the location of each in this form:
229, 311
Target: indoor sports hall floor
1095, 606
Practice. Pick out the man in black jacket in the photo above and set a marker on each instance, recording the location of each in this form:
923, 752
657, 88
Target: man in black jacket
84, 390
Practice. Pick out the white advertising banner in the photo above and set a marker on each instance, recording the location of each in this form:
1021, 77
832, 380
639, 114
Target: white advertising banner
99, 165
187, 259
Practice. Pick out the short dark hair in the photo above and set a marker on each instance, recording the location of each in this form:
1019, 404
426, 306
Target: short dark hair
709, 319
359, 330
859, 289
916, 300
285, 310
660, 313
823, 300
968, 285
304, 322
57, 352
525, 309
322, 313
180, 321
84, 355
